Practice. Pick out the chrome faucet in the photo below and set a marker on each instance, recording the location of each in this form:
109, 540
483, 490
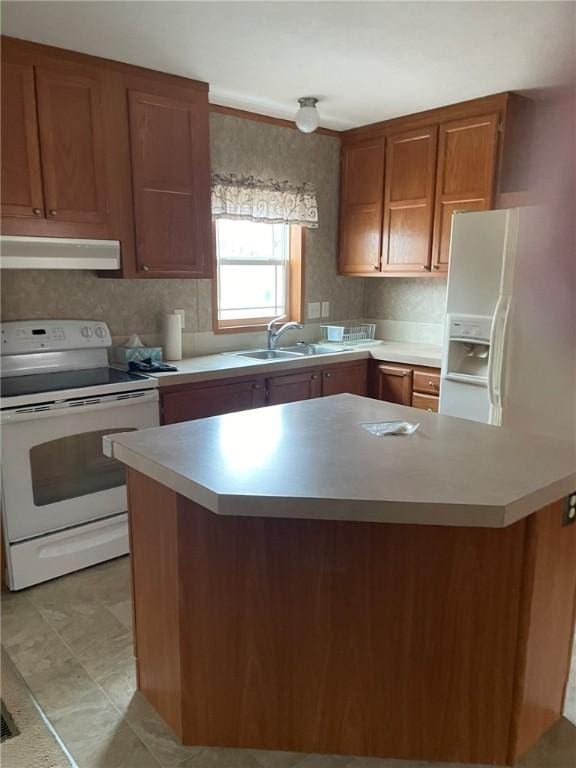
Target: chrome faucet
273, 335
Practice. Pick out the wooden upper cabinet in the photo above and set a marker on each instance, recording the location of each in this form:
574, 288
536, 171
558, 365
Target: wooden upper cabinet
171, 184
467, 154
21, 174
362, 194
72, 145
409, 200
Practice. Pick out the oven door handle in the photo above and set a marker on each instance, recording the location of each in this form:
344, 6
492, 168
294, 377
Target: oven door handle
66, 409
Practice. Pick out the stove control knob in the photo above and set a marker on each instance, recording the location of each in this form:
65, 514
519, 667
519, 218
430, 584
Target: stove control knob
100, 332
86, 331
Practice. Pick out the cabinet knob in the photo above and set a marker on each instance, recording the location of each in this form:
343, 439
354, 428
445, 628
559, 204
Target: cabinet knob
145, 267
429, 409
53, 212
37, 211
433, 384
327, 374
314, 376
435, 266
256, 386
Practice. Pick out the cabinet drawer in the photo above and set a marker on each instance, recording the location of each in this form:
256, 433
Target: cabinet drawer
427, 382
425, 402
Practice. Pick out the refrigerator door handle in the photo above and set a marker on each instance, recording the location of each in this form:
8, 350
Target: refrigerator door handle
499, 322
503, 341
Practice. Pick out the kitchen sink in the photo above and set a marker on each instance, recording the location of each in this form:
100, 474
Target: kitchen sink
316, 349
268, 354
289, 353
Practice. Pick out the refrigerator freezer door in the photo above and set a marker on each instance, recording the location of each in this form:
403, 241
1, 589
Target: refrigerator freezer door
477, 253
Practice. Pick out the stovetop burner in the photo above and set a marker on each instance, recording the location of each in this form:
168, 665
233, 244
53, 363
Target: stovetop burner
15, 386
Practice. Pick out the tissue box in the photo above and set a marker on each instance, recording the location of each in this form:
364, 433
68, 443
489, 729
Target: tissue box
124, 355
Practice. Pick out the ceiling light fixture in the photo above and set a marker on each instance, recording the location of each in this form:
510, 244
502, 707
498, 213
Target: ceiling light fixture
307, 117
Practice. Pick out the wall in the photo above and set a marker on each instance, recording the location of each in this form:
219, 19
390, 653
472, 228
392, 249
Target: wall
130, 306
407, 309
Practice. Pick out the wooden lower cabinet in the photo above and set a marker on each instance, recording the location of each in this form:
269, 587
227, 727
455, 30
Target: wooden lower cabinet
417, 386
198, 401
291, 387
425, 402
351, 379
393, 383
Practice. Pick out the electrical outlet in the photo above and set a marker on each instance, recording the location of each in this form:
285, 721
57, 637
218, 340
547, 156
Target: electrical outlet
325, 309
313, 310
182, 313
569, 512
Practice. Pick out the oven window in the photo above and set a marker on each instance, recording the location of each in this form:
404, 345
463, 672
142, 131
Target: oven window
74, 466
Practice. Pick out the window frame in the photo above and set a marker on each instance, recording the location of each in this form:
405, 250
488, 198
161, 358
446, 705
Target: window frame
295, 269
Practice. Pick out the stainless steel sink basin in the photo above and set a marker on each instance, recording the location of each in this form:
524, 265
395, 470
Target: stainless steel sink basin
290, 353
316, 349
269, 354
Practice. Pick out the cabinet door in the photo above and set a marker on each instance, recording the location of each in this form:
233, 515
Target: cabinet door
72, 144
362, 192
467, 151
350, 379
199, 402
21, 176
171, 184
394, 384
409, 200
291, 387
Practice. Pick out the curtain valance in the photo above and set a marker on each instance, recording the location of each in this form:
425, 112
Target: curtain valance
276, 202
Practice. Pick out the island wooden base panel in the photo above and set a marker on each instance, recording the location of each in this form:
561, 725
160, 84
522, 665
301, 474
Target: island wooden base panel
416, 642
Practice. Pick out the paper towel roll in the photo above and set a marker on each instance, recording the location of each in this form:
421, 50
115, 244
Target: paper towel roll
172, 336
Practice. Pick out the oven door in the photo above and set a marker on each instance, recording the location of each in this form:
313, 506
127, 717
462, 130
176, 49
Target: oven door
54, 472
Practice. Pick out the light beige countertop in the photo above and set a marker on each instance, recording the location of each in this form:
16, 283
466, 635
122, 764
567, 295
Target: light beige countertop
312, 459
226, 365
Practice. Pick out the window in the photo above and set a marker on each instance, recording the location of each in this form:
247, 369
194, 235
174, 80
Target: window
258, 275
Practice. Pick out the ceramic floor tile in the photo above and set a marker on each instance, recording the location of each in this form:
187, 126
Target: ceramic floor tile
122, 610
271, 759
98, 737
99, 641
35, 646
556, 749
156, 735
61, 685
213, 757
119, 682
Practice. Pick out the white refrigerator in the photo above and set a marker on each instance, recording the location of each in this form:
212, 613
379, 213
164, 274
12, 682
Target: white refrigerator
509, 354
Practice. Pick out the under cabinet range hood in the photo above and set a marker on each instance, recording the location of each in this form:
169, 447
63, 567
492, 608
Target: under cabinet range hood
58, 253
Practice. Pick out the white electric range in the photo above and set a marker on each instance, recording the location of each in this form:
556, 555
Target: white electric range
63, 501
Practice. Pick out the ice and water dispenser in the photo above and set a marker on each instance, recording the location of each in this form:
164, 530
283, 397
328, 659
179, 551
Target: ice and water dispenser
468, 348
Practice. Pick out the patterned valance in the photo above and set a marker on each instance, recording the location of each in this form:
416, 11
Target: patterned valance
277, 202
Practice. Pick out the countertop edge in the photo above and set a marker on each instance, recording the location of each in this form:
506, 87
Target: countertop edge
240, 367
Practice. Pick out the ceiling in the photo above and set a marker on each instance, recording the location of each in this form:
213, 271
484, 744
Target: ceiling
366, 61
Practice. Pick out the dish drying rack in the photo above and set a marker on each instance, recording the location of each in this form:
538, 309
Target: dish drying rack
349, 334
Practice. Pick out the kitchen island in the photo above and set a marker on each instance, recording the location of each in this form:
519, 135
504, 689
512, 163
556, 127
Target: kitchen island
301, 584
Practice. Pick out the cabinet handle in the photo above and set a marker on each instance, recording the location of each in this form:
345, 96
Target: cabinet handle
37, 211
145, 267
53, 212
